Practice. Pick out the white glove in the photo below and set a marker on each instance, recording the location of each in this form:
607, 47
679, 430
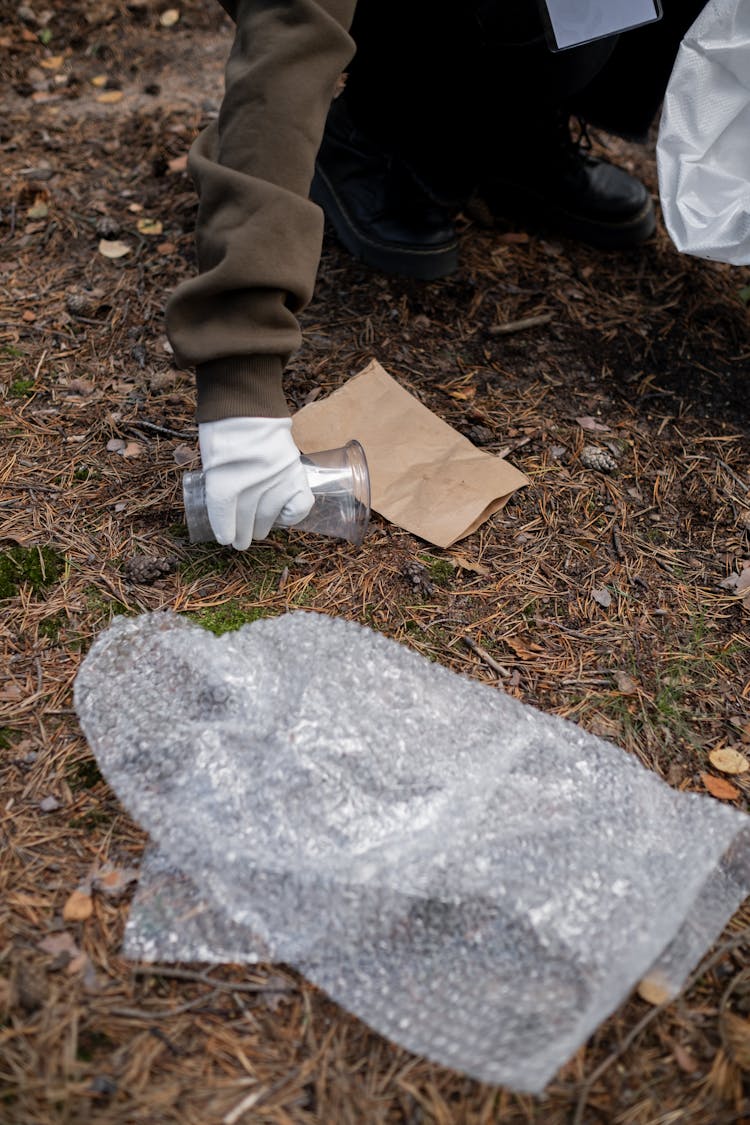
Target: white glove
254, 478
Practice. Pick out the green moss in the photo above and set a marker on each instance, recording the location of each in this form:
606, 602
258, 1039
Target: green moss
83, 774
97, 818
7, 735
441, 571
37, 567
11, 351
21, 388
229, 616
51, 627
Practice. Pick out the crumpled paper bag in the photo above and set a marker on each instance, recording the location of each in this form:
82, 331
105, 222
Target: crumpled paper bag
424, 475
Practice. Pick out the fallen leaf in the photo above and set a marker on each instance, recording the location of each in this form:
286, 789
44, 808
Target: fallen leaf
77, 964
99, 80
81, 386
132, 449
720, 788
28, 316
602, 596
469, 564
169, 17
166, 248
78, 907
735, 1034
112, 882
149, 226
115, 445
11, 691
512, 237
55, 944
185, 454
135, 207
523, 647
38, 211
625, 684
728, 760
113, 249
179, 164
654, 990
109, 97
586, 422
54, 62
686, 1062
739, 584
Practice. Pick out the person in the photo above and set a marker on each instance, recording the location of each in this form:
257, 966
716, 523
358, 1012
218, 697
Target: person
441, 101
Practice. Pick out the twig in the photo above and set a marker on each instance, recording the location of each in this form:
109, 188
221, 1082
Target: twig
728, 469
165, 1013
485, 656
204, 978
520, 325
642, 1024
162, 430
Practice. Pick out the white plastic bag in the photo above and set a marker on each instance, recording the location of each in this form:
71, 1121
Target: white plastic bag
703, 151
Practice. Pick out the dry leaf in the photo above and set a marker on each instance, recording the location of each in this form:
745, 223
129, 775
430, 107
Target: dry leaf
735, 1033
654, 990
113, 249
739, 584
469, 564
523, 647
136, 208
77, 964
115, 445
54, 62
79, 907
720, 788
55, 944
179, 164
112, 882
602, 596
149, 226
166, 248
185, 454
728, 760
586, 422
625, 684
686, 1062
170, 17
109, 97
131, 449
38, 211
100, 80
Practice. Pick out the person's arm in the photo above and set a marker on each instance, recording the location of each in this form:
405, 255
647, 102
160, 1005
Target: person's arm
258, 242
258, 235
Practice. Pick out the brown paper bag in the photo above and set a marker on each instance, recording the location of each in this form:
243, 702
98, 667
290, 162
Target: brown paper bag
424, 475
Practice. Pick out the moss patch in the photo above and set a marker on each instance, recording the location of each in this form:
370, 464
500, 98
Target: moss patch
37, 567
229, 616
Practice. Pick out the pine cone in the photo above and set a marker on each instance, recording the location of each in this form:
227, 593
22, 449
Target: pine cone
592, 457
79, 303
144, 570
107, 227
416, 574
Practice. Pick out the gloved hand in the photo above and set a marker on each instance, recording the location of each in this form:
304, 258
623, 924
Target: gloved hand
254, 478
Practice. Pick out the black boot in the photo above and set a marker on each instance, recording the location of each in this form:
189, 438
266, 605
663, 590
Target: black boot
377, 208
558, 185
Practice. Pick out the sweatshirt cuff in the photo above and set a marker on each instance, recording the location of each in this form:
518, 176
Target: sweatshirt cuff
241, 387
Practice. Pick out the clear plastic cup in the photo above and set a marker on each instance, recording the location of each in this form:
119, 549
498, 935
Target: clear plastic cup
339, 481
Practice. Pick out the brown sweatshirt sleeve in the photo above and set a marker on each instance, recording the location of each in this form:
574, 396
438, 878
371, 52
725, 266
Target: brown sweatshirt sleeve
258, 235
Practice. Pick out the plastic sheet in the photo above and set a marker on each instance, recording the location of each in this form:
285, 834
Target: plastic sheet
479, 881
703, 156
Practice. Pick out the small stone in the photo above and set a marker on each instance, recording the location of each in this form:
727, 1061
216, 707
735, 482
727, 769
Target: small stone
49, 804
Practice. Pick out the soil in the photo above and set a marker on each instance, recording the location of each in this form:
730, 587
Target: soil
602, 591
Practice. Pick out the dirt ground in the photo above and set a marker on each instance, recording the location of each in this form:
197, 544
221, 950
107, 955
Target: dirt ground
602, 591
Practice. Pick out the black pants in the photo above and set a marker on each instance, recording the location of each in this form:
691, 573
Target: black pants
455, 88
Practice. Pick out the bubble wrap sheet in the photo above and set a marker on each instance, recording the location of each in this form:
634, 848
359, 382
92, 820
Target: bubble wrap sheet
478, 881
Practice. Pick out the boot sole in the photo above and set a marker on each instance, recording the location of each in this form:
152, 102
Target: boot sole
409, 261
